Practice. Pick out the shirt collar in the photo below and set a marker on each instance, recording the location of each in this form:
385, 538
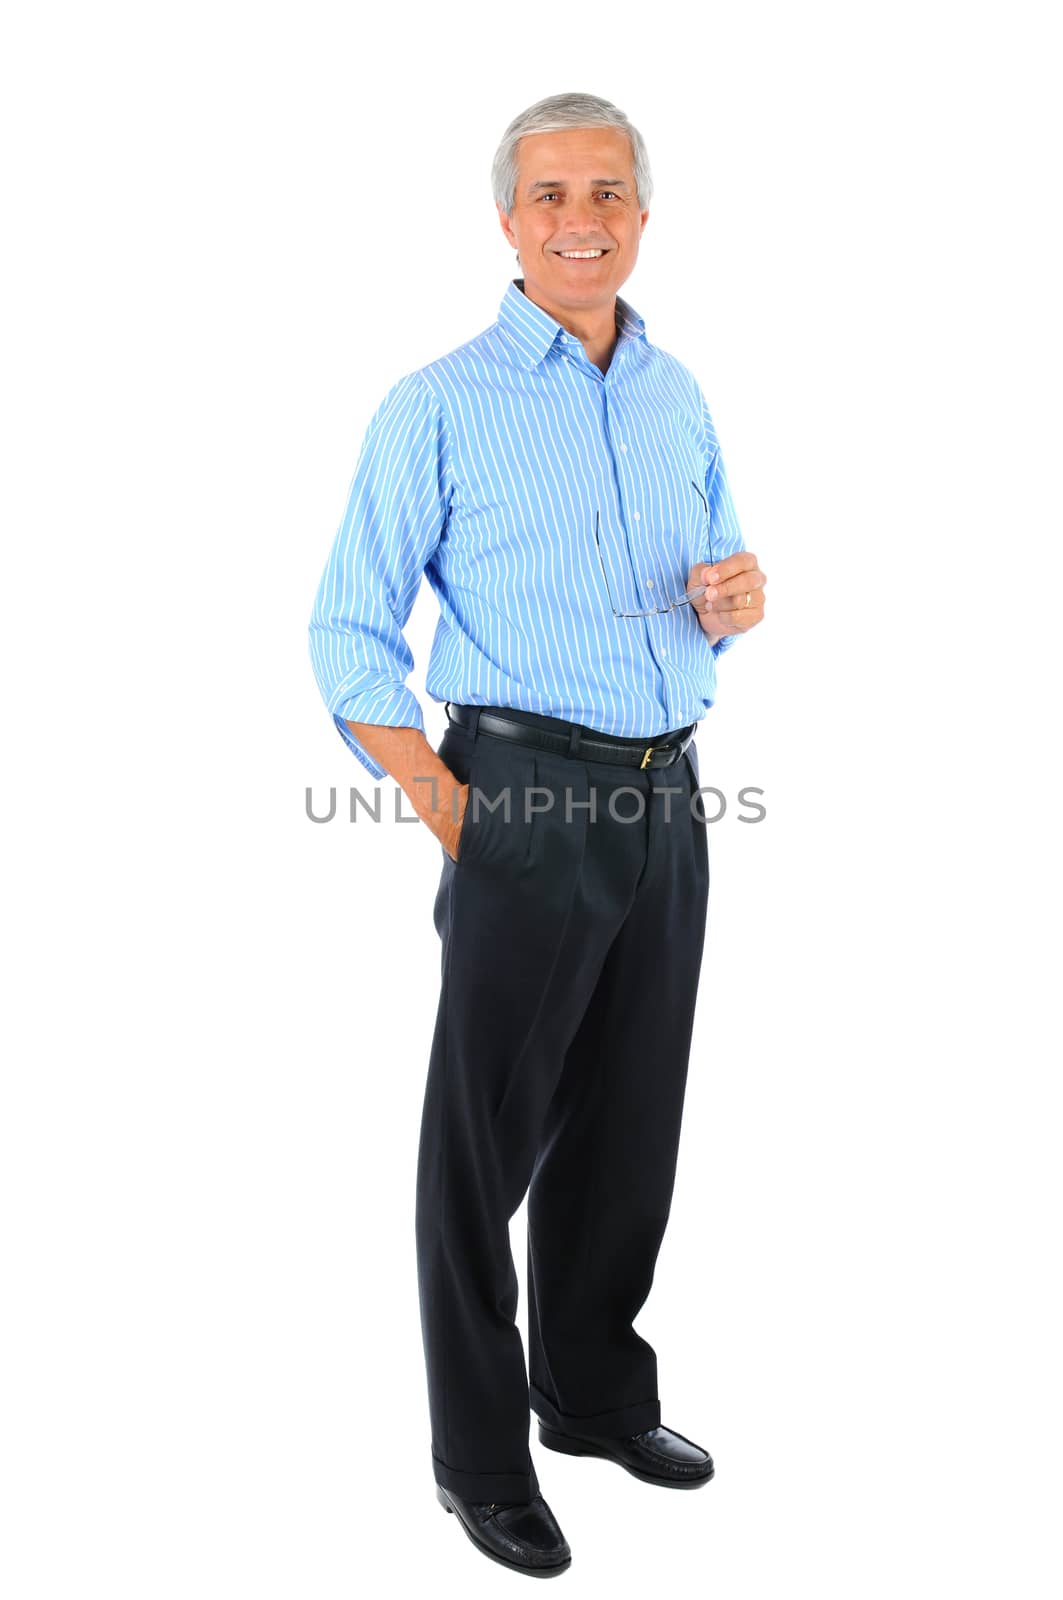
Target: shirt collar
534, 332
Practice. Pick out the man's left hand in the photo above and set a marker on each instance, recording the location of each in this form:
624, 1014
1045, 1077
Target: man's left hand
733, 602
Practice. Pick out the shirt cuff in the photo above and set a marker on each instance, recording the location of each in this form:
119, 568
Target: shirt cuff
724, 644
388, 707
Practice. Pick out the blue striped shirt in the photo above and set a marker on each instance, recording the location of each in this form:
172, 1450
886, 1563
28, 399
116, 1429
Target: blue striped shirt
484, 471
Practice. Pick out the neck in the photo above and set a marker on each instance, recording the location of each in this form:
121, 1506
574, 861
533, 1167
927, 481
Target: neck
596, 327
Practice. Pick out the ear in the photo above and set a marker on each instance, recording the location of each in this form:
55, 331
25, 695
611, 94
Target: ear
644, 217
504, 223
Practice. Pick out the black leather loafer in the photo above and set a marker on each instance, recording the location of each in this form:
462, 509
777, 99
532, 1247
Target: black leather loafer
522, 1535
658, 1455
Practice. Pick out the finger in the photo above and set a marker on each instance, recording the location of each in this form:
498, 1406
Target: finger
741, 585
732, 614
726, 604
715, 572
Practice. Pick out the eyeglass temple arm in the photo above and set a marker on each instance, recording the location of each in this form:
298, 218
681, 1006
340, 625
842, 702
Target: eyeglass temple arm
601, 559
705, 503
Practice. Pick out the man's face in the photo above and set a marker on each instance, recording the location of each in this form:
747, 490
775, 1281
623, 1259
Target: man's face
575, 191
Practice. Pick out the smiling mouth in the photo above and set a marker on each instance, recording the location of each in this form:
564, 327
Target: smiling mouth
580, 255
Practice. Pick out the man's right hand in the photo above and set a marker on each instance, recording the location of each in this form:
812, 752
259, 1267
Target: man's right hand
406, 754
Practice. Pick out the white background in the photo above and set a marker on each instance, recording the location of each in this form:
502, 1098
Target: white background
230, 230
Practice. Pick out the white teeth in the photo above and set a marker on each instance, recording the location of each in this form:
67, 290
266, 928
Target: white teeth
580, 255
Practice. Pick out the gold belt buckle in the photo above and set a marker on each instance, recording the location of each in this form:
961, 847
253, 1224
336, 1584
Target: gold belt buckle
650, 748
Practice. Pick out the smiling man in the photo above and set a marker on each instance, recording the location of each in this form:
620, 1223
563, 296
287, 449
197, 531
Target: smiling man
577, 232
558, 480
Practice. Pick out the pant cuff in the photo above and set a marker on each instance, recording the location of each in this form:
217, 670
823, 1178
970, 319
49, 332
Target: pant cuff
520, 1486
601, 1424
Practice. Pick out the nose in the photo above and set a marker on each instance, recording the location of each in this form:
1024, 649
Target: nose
578, 220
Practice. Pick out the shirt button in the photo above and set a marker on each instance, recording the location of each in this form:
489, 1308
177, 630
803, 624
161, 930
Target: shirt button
638, 516
649, 583
624, 448
664, 655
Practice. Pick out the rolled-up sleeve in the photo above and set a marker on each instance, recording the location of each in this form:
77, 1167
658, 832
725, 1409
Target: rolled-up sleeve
723, 523
394, 519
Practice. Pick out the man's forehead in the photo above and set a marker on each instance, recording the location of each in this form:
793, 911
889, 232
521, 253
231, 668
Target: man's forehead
543, 157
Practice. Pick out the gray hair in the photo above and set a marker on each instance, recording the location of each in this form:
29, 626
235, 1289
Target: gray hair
552, 115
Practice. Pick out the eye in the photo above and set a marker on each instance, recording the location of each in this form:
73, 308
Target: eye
550, 192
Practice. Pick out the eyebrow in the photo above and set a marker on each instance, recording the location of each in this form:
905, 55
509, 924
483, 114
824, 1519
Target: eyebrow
559, 183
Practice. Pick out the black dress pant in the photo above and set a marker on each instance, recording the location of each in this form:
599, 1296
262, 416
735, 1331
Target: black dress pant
571, 957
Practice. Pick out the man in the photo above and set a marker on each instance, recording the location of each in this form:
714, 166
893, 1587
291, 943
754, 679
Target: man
558, 480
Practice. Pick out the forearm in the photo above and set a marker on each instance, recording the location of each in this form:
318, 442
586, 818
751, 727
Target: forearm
406, 755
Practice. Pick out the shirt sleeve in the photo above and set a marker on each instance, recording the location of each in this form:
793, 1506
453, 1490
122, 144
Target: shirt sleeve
726, 535
394, 519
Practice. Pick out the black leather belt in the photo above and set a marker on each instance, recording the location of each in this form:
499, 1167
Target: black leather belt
571, 739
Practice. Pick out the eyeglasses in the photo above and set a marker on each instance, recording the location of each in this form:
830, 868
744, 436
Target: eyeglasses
689, 595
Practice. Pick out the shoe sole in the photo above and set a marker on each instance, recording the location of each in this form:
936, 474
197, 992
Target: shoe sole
565, 1444
493, 1555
